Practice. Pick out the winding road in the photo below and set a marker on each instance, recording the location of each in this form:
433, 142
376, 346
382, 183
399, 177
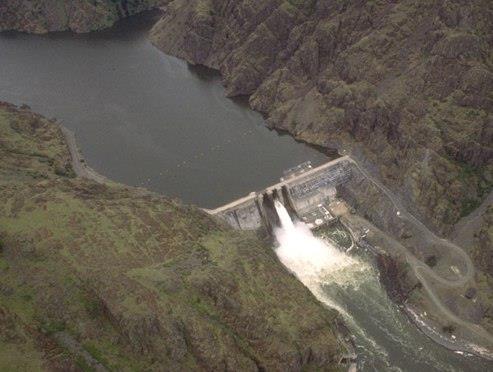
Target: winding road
79, 166
423, 271
420, 269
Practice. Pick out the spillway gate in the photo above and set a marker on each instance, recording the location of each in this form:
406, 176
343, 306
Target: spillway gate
304, 190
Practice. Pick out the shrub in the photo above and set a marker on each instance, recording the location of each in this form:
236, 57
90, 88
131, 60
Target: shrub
431, 261
448, 329
51, 327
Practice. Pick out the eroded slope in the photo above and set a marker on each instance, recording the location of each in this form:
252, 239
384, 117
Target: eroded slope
111, 276
406, 84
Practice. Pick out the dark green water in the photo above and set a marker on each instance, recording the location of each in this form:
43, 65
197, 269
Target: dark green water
147, 119
144, 118
385, 339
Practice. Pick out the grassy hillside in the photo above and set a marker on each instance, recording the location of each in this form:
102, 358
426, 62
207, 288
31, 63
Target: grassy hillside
107, 276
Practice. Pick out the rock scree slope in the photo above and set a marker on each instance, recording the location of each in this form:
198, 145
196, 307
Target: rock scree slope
404, 86
105, 276
408, 81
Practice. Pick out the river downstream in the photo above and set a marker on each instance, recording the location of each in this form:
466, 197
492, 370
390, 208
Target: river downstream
147, 119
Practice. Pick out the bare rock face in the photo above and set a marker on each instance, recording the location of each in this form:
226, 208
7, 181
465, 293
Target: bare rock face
484, 239
41, 16
408, 82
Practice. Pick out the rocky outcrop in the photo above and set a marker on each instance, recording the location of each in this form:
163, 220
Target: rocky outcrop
396, 278
404, 84
483, 239
118, 278
41, 16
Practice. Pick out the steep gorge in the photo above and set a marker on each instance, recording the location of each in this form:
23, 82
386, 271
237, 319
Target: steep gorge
404, 84
131, 280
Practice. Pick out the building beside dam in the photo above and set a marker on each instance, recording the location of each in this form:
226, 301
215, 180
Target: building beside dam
305, 191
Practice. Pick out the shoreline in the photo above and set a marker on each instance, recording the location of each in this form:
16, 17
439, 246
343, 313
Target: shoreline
79, 165
399, 298
429, 331
83, 170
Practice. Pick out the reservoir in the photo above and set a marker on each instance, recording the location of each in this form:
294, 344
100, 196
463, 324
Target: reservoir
146, 119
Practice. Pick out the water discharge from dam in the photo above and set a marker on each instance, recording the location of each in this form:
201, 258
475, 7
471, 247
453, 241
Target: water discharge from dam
384, 338
303, 253
147, 119
144, 118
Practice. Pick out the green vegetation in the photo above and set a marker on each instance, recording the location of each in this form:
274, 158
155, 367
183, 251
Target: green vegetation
136, 280
477, 178
431, 261
82, 364
24, 357
306, 6
336, 234
97, 354
468, 206
458, 127
448, 329
52, 327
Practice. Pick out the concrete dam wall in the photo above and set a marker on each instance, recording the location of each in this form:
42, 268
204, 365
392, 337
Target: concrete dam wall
305, 192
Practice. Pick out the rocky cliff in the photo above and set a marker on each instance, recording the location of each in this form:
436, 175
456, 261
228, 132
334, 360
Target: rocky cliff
105, 276
41, 16
404, 84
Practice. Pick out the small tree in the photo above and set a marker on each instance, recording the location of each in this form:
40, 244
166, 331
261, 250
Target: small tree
431, 261
448, 329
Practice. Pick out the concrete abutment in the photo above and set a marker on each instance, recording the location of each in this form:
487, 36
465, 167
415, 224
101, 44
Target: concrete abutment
305, 192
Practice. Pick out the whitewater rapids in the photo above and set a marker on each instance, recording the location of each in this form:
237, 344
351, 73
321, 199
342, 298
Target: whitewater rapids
311, 259
385, 339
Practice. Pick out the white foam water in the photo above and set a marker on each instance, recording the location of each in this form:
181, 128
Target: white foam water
311, 259
317, 263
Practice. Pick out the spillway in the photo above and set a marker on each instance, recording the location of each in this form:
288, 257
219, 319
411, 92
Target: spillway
385, 339
147, 119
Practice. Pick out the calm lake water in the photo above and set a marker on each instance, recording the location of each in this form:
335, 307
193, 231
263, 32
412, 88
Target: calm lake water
144, 118
147, 119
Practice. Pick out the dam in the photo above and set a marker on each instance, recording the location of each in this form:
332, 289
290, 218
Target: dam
305, 191
154, 135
